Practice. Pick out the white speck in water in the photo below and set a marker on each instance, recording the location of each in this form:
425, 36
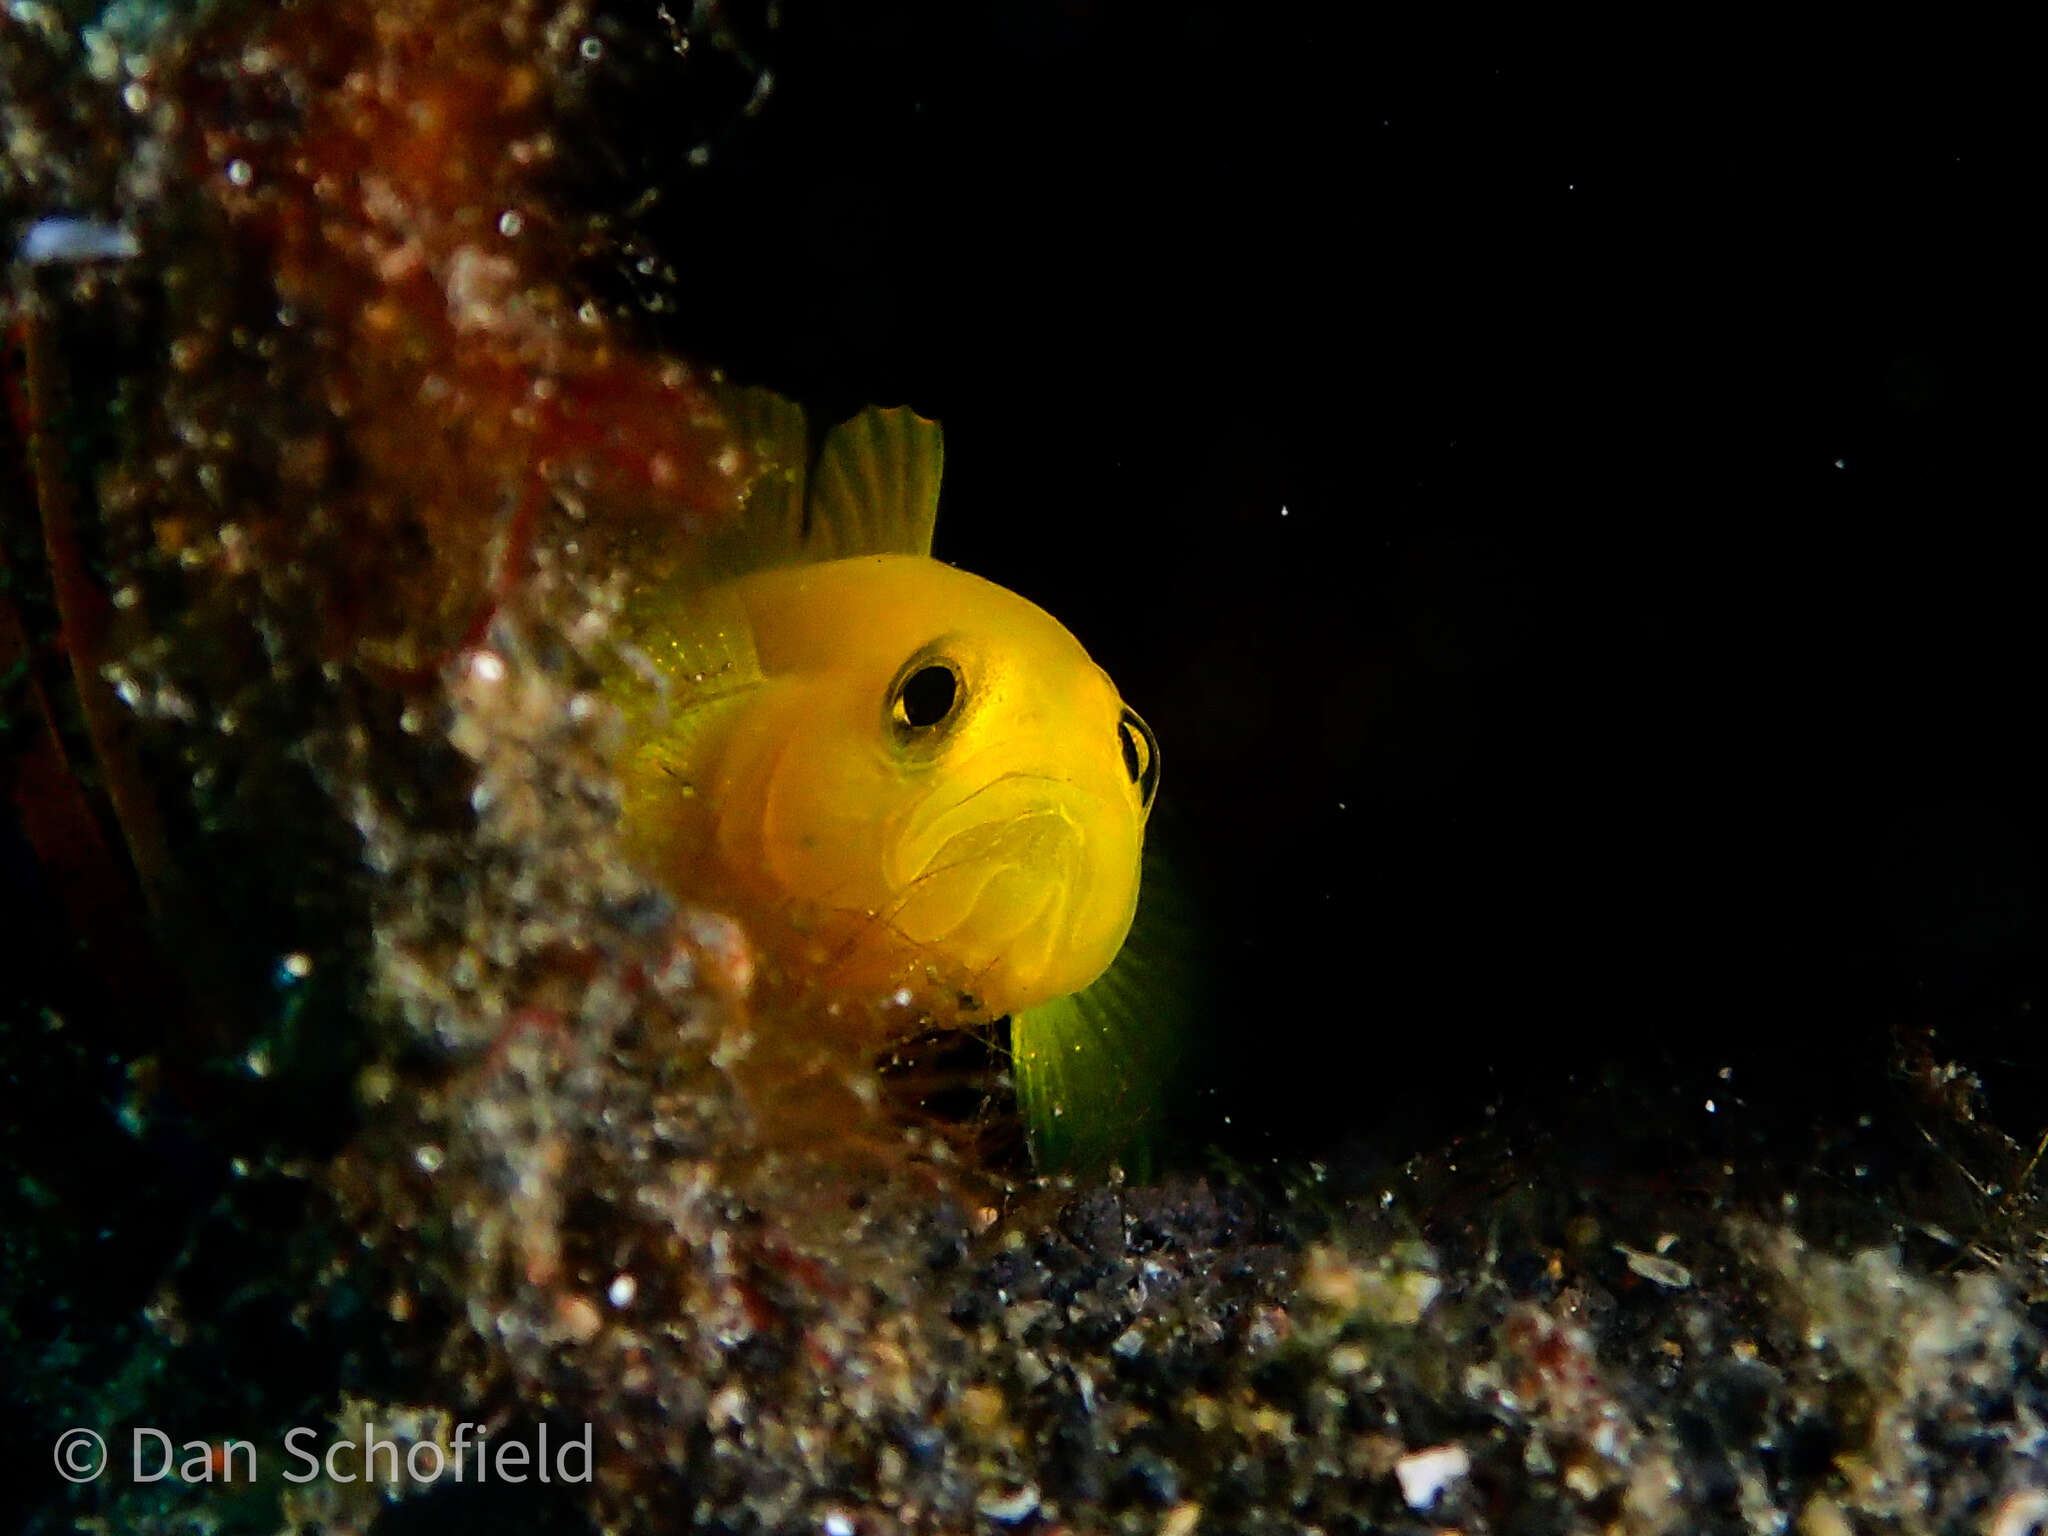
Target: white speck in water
487, 667
241, 173
1841, 463
901, 997
1710, 1107
258, 1062
592, 48
1283, 511
510, 223
429, 1158
838, 1523
622, 1290
297, 965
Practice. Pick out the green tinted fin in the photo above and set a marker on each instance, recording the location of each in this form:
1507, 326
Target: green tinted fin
872, 487
875, 489
1096, 1071
770, 528
699, 650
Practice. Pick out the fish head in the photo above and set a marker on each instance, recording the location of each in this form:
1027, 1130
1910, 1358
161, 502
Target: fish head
947, 760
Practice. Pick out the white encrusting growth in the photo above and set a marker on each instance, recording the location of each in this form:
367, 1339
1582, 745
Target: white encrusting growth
1425, 1474
62, 241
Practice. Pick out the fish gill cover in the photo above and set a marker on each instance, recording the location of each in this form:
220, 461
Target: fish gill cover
355, 1079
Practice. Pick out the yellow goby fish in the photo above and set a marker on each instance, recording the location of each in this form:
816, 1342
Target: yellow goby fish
920, 771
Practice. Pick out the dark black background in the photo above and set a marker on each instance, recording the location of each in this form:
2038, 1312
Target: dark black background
1648, 657
1644, 671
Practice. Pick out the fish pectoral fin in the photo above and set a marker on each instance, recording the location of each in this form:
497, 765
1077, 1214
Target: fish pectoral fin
875, 488
1095, 1071
711, 647
702, 652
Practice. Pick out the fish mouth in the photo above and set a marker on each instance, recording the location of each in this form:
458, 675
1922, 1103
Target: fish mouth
998, 877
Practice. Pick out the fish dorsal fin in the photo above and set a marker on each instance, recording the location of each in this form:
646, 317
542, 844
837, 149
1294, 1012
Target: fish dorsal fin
774, 434
871, 488
875, 490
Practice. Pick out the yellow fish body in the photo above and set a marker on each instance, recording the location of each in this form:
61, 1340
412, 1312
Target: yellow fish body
919, 770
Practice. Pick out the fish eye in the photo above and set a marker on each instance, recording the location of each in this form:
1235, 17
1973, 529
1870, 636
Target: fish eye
1141, 754
927, 694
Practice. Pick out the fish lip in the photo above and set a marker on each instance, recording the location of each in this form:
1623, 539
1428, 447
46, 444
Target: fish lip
919, 826
930, 849
1009, 875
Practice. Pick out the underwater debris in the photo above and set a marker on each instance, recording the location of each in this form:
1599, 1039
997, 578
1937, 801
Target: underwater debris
1424, 1475
60, 241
